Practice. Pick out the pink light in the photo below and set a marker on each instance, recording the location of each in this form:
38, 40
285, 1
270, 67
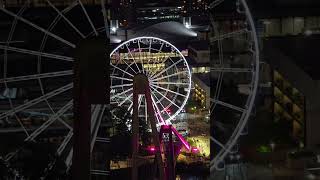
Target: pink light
184, 142
195, 150
165, 126
151, 150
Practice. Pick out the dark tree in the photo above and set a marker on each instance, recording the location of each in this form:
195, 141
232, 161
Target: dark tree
33, 158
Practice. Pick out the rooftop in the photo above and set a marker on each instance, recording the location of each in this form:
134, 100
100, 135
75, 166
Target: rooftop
204, 77
303, 50
202, 45
170, 30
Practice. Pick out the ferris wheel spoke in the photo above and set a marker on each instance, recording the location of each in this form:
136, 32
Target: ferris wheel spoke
64, 123
36, 76
51, 120
24, 129
121, 70
158, 111
162, 44
164, 109
129, 51
105, 18
121, 85
126, 99
150, 45
65, 142
116, 77
218, 143
168, 90
11, 42
229, 35
66, 19
68, 160
165, 97
129, 66
171, 75
231, 70
36, 53
215, 3
150, 74
146, 110
229, 105
88, 18
162, 60
166, 69
139, 101
154, 108
119, 94
130, 107
36, 101
157, 99
37, 27
96, 122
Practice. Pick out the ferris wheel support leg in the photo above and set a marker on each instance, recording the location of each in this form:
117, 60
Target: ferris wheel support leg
155, 134
141, 86
90, 87
166, 139
135, 137
81, 143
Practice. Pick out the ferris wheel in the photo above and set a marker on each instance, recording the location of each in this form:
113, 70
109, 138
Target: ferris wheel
36, 75
167, 71
36, 94
234, 77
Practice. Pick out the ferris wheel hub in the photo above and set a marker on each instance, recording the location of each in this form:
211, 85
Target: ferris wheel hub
140, 83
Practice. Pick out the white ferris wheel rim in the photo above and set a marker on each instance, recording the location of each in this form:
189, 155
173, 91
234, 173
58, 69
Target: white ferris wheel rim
166, 121
237, 132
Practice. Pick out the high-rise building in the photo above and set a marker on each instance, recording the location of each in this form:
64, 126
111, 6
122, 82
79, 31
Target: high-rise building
195, 7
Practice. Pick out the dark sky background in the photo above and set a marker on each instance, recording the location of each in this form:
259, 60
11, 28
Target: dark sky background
290, 3
285, 7
296, 1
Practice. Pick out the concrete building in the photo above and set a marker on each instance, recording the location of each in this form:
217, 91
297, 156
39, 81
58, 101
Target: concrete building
302, 75
201, 91
289, 41
199, 51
